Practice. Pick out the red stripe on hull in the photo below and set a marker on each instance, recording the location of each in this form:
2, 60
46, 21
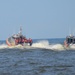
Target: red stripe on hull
8, 43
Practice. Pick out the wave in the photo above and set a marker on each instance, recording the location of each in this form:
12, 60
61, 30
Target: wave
46, 45
43, 44
3, 46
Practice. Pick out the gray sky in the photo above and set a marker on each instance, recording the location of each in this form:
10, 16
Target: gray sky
38, 18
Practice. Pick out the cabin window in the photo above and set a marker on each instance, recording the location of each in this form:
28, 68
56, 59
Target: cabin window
74, 41
70, 40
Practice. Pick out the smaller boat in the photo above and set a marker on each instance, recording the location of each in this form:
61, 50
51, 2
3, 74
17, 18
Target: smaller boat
17, 39
70, 40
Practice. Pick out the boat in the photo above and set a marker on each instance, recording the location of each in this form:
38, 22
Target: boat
69, 41
17, 39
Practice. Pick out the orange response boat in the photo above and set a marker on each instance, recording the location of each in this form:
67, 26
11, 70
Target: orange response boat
17, 39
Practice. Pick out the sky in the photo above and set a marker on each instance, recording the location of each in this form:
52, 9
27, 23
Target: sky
38, 18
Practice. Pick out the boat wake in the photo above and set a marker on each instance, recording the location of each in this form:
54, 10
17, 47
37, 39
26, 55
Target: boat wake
3, 46
44, 44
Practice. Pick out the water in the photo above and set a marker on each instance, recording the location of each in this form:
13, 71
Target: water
44, 57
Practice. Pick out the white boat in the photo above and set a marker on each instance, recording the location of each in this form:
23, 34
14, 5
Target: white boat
69, 41
17, 39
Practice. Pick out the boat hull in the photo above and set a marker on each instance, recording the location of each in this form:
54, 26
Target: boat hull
11, 42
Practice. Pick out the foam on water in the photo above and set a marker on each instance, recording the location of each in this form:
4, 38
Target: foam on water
3, 46
45, 44
41, 44
58, 47
72, 46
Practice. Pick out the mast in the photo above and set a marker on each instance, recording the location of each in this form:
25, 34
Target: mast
20, 32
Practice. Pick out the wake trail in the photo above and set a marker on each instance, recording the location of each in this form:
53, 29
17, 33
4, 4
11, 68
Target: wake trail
3, 46
45, 44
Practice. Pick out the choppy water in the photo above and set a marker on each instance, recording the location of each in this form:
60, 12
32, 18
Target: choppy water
44, 57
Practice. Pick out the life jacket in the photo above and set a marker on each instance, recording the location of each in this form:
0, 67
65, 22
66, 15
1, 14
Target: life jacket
23, 40
19, 40
16, 41
30, 40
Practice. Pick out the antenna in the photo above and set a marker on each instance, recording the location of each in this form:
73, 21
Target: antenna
20, 32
